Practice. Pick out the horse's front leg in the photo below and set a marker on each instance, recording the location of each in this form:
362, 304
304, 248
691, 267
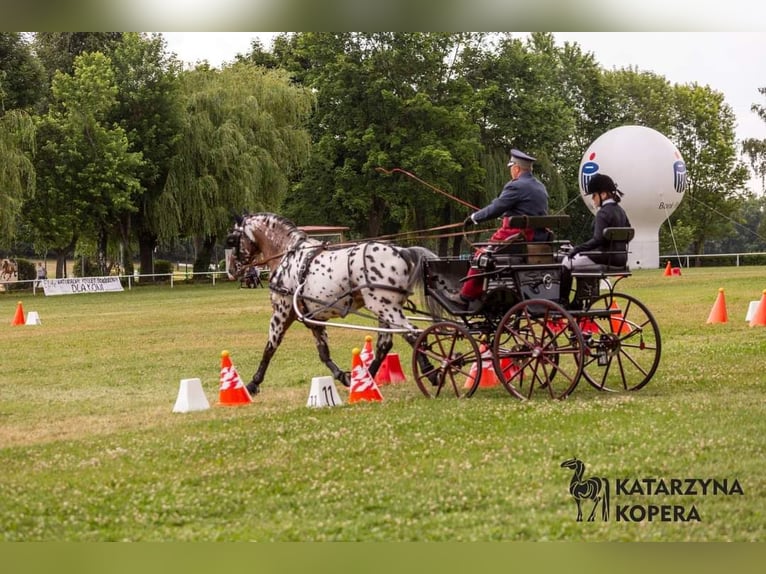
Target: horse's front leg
382, 347
281, 320
323, 348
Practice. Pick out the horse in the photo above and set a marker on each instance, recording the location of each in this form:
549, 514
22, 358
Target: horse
8, 270
589, 489
326, 281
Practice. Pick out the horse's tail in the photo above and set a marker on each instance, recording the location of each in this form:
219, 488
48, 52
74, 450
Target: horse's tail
417, 256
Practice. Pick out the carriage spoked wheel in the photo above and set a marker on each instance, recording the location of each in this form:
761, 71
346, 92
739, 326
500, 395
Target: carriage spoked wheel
538, 350
622, 343
446, 361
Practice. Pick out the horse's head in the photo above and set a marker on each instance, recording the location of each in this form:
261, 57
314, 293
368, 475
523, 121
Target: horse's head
243, 252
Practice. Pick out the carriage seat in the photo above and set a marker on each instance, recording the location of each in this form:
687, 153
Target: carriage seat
446, 274
516, 250
614, 235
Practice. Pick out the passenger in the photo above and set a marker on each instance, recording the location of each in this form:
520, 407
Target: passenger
606, 198
524, 194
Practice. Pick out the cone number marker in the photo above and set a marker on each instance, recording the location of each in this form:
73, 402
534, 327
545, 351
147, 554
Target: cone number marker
326, 396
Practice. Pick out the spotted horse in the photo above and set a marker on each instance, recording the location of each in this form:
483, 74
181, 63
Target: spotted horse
315, 282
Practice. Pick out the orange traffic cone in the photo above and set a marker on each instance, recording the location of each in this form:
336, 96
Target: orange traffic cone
759, 317
390, 370
383, 376
617, 321
718, 312
232, 390
363, 387
487, 377
367, 353
395, 368
18, 318
668, 270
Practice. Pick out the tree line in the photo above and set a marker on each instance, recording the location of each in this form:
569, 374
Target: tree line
110, 148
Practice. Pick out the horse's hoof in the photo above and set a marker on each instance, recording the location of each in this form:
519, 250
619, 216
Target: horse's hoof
253, 389
345, 379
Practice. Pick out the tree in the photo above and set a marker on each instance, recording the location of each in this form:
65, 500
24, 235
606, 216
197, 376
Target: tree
755, 149
150, 110
243, 138
385, 100
17, 174
86, 173
703, 131
21, 75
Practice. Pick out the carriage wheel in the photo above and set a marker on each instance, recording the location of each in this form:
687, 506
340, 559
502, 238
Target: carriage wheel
446, 361
538, 349
622, 342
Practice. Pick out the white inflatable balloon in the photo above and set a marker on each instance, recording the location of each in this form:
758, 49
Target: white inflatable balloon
650, 171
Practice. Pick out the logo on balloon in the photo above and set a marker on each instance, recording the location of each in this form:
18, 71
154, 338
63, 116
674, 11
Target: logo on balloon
679, 176
588, 170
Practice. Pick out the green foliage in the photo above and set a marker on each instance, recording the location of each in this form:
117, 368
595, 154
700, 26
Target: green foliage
21, 74
87, 174
86, 267
26, 270
17, 175
703, 131
163, 267
243, 140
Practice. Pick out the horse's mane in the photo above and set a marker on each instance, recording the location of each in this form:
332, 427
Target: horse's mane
293, 234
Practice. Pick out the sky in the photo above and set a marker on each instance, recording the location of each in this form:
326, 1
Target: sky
731, 63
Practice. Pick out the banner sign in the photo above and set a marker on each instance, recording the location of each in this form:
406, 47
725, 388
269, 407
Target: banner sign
74, 285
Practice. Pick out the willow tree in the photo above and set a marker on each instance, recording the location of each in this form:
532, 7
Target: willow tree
17, 173
243, 138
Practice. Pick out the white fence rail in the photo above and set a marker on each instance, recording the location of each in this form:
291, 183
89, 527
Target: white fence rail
129, 281
685, 259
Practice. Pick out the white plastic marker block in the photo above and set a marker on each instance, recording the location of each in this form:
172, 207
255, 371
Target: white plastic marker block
323, 393
33, 318
191, 397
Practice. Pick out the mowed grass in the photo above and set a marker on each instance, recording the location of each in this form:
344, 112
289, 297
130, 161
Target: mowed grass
90, 449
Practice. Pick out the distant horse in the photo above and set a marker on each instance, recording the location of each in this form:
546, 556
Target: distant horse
8, 270
331, 281
593, 488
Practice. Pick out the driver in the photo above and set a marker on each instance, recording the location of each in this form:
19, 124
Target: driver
524, 194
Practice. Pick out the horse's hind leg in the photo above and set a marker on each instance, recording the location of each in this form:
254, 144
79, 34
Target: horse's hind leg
280, 322
382, 347
320, 335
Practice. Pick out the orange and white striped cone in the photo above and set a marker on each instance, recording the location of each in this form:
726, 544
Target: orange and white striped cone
232, 391
367, 353
363, 387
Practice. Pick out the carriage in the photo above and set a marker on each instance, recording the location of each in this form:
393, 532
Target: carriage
541, 340
538, 340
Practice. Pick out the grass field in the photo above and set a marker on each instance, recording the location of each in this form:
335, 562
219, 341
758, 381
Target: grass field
90, 449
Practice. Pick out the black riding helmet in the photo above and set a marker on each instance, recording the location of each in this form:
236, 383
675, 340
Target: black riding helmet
600, 182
